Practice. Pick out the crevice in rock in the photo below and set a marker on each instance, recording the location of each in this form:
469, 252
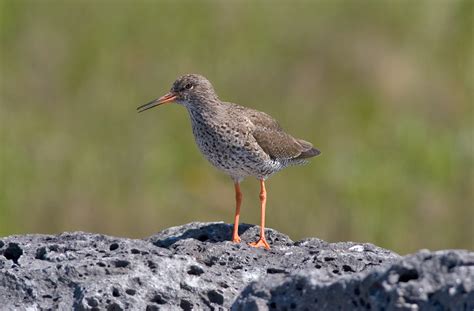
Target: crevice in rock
13, 252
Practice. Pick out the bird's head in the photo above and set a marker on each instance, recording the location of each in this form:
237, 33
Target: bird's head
188, 90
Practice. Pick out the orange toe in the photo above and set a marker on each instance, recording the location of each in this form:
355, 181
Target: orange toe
260, 243
236, 239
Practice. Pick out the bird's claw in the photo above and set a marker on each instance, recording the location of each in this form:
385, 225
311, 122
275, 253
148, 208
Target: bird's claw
236, 239
260, 243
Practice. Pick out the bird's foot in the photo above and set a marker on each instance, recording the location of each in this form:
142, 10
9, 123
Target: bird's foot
236, 239
260, 243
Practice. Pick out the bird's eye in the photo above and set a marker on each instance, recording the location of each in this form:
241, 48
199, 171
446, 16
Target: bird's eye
188, 86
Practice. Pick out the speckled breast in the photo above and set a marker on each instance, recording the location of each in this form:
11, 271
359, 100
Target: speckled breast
232, 150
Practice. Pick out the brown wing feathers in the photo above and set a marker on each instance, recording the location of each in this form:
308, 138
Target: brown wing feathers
276, 142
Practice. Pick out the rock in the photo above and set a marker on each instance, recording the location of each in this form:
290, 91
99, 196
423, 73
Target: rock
442, 280
194, 267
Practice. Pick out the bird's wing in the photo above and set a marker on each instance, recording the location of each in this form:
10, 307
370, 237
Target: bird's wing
275, 141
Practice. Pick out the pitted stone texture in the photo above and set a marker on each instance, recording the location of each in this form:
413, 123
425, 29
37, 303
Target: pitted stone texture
84, 271
193, 266
442, 280
204, 243
233, 265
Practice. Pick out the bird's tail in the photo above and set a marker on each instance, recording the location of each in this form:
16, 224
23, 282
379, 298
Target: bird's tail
308, 150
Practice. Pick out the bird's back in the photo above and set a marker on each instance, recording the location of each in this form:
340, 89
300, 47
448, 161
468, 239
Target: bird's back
271, 137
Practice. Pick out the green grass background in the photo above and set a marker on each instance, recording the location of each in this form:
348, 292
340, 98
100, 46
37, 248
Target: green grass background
383, 88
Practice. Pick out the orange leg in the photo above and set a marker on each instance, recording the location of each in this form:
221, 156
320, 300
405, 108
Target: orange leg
262, 242
238, 202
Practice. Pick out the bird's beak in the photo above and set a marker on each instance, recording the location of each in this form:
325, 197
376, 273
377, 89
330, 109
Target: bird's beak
167, 98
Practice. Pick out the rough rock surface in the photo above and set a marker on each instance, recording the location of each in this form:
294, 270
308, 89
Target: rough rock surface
441, 280
194, 266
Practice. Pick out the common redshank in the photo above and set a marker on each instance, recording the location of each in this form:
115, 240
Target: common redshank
238, 140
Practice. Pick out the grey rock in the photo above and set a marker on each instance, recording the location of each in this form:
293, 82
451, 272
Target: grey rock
195, 267
442, 280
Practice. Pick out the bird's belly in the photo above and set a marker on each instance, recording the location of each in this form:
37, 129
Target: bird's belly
234, 154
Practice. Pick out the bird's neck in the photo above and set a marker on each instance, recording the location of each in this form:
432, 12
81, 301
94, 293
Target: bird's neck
204, 111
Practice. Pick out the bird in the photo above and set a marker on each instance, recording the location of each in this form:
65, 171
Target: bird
240, 141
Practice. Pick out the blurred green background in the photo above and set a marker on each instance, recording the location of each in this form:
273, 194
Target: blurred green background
383, 88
